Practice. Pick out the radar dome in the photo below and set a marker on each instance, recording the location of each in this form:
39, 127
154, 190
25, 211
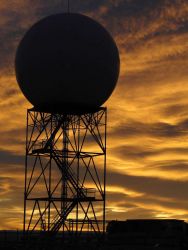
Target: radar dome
67, 61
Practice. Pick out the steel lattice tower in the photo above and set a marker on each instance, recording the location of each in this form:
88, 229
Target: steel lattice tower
65, 172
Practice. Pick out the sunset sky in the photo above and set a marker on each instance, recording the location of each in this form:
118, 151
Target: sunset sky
147, 171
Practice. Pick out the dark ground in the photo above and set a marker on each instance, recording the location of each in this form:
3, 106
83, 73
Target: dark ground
13, 240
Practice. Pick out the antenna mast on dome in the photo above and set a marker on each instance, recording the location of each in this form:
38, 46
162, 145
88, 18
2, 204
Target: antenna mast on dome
68, 6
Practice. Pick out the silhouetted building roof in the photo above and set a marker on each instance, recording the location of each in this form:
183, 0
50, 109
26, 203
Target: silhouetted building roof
146, 225
161, 234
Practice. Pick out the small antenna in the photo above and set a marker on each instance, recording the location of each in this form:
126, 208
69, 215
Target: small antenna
68, 6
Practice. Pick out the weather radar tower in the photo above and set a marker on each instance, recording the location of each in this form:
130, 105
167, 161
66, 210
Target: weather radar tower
67, 66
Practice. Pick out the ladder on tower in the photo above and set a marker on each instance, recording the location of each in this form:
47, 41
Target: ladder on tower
67, 172
59, 220
81, 193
